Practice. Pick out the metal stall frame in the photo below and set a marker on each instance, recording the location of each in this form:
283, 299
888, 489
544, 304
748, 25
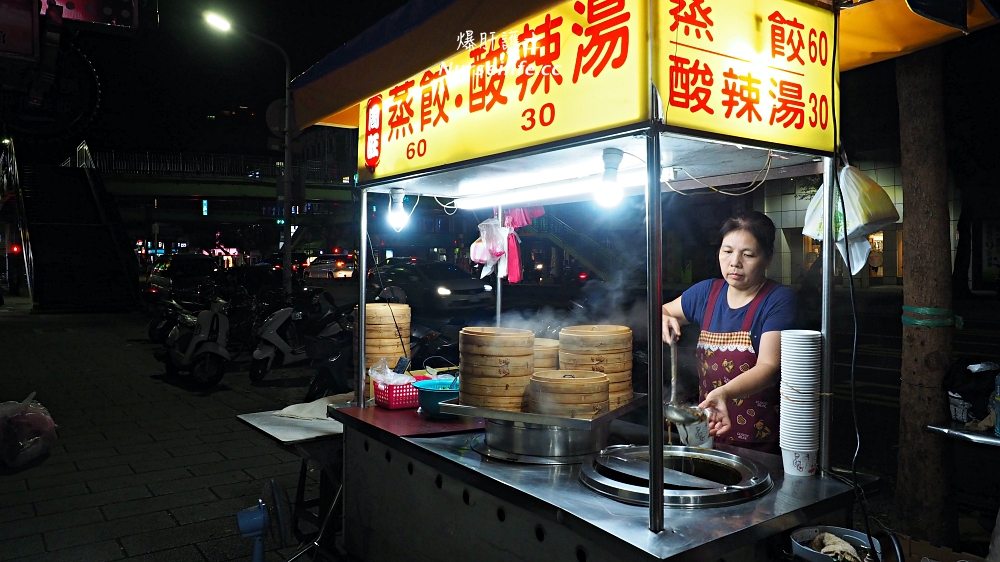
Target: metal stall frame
651, 131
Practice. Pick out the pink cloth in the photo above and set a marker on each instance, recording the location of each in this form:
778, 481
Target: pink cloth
513, 259
521, 216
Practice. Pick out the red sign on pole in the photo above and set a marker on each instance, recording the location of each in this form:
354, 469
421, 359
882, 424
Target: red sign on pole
373, 132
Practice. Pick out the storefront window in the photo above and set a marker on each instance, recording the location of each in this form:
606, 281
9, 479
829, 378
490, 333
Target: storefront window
876, 266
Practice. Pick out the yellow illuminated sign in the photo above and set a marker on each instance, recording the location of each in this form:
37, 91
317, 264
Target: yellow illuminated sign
577, 68
754, 69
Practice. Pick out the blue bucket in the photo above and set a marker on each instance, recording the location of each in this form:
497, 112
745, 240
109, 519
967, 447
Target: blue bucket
430, 393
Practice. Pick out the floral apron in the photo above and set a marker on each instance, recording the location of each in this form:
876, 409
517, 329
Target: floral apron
722, 357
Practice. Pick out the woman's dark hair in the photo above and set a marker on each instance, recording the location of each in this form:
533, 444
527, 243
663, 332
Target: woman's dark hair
757, 224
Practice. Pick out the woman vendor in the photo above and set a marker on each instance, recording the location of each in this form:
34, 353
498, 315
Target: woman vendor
739, 350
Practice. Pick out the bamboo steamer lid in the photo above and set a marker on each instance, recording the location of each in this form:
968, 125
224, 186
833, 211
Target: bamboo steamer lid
507, 403
486, 341
595, 338
508, 389
476, 360
495, 351
574, 358
385, 309
569, 382
581, 411
546, 345
495, 372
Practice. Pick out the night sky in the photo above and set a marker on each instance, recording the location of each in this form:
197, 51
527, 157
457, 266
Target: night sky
159, 84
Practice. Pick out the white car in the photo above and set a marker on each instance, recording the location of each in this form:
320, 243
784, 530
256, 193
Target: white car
332, 266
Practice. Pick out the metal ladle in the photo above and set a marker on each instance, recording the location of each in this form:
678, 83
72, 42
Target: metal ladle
680, 415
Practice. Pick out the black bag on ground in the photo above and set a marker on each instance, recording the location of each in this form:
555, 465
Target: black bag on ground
969, 392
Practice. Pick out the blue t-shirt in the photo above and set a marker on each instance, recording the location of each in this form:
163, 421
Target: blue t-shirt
775, 313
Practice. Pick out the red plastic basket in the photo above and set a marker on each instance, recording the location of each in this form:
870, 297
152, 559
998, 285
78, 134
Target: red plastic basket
396, 396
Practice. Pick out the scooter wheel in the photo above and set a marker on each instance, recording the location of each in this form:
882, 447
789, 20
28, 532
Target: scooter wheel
259, 369
208, 370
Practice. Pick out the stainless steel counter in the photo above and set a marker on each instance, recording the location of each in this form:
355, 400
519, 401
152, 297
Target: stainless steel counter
483, 509
958, 431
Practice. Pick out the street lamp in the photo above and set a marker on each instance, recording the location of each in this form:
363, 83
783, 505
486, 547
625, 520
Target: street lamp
222, 24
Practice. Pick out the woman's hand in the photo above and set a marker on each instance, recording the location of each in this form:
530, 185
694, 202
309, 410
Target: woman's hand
718, 413
671, 329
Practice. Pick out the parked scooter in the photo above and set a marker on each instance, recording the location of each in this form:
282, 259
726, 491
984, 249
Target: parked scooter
198, 344
284, 334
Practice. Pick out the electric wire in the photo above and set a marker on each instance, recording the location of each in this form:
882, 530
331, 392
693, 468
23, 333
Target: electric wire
450, 205
736, 191
850, 278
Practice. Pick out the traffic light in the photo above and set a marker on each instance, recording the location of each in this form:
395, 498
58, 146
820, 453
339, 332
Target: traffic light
15, 249
281, 221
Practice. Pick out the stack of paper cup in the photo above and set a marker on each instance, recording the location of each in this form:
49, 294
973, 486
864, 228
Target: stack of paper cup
798, 431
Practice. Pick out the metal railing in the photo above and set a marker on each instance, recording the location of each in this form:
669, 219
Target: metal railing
221, 166
11, 183
591, 253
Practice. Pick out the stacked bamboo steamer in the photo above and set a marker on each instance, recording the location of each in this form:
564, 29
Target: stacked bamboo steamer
546, 354
603, 349
387, 333
570, 394
495, 365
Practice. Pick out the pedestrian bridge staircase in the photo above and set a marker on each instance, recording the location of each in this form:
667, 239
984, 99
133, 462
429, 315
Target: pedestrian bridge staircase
602, 261
76, 251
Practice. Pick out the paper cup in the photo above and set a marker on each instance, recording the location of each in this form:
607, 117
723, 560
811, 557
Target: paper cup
800, 463
696, 434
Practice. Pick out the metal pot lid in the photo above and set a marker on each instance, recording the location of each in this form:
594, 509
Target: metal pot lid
692, 477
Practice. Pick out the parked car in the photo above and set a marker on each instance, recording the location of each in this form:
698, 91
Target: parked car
433, 286
184, 276
300, 263
332, 266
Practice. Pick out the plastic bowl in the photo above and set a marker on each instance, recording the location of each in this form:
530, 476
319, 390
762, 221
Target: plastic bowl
430, 393
805, 535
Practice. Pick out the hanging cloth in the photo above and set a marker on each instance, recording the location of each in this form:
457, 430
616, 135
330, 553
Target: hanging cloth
513, 259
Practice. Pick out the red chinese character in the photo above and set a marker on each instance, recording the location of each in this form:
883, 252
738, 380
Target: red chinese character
696, 17
400, 111
790, 109
433, 95
486, 75
607, 31
684, 89
537, 57
780, 37
741, 90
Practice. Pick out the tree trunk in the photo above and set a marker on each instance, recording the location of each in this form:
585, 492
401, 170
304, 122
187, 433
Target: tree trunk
922, 505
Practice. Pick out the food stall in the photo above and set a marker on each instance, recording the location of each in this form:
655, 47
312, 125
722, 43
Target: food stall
566, 102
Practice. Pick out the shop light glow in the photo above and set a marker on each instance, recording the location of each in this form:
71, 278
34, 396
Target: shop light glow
608, 193
398, 217
217, 21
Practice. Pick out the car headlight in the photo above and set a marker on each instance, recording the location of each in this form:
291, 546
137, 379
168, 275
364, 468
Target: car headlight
443, 291
487, 287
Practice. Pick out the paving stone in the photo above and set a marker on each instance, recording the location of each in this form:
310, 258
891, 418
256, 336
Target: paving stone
226, 548
219, 447
189, 435
94, 499
145, 543
209, 424
9, 486
152, 446
90, 454
225, 436
268, 471
251, 489
146, 478
115, 459
29, 496
189, 553
90, 438
210, 510
254, 451
177, 462
96, 552
157, 503
86, 534
23, 546
184, 484
235, 464
78, 476
16, 512
41, 524
48, 470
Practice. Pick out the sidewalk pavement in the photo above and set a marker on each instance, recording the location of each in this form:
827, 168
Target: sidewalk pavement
145, 468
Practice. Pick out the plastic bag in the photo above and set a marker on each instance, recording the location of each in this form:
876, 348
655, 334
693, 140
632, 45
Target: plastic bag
380, 372
869, 210
27, 431
494, 239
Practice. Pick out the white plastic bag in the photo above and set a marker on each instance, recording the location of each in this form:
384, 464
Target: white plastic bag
869, 210
478, 252
494, 238
380, 372
27, 431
